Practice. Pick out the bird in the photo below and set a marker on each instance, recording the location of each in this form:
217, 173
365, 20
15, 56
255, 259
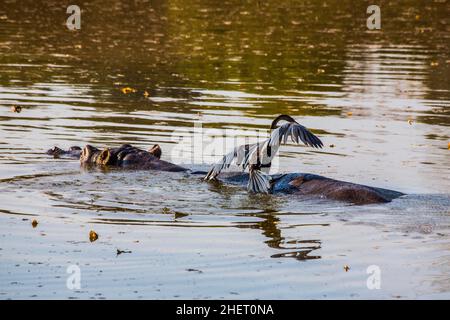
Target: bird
257, 157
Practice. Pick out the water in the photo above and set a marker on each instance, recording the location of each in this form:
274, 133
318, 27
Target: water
381, 98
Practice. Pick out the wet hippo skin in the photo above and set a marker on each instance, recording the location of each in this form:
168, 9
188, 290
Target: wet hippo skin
127, 156
315, 185
75, 152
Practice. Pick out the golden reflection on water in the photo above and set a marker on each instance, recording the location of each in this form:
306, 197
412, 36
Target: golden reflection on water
379, 100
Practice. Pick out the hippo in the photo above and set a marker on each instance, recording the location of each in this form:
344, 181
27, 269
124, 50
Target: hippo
307, 184
75, 151
295, 184
127, 156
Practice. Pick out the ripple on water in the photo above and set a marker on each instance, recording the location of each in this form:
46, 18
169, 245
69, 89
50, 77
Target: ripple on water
378, 100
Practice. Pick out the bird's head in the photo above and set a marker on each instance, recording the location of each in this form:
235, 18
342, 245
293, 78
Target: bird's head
283, 117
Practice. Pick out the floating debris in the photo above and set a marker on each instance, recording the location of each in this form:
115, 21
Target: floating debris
332, 145
349, 113
122, 251
127, 90
34, 223
166, 210
448, 146
410, 121
146, 94
346, 268
434, 63
194, 270
16, 109
180, 215
93, 236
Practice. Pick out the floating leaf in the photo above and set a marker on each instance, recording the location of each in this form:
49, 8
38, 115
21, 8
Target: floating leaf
434, 63
166, 210
346, 268
127, 90
331, 145
410, 121
349, 113
180, 215
93, 236
34, 223
16, 109
146, 94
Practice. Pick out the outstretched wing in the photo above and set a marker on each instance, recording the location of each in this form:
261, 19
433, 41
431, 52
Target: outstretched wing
266, 151
296, 132
242, 156
224, 163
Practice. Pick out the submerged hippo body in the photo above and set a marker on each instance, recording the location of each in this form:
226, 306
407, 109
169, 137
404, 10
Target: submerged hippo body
314, 185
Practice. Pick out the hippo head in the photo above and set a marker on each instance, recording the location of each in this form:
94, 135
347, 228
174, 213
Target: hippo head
73, 152
89, 154
116, 155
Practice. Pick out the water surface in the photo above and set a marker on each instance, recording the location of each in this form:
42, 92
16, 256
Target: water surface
379, 100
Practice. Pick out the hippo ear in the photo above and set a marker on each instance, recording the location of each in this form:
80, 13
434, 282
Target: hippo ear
55, 151
156, 151
104, 157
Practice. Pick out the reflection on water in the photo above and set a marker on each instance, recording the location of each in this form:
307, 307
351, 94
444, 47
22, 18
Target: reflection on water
299, 249
379, 101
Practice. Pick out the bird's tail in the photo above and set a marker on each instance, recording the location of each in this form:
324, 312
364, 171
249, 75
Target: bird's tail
258, 181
